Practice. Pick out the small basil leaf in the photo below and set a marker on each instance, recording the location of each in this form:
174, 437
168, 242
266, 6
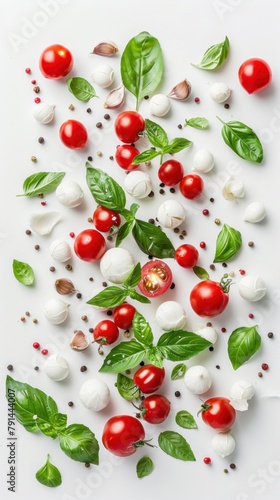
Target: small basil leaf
175, 445
243, 141
243, 343
152, 240
23, 272
228, 243
199, 123
144, 467
111, 296
178, 371
124, 356
128, 216
147, 155
134, 276
41, 183
184, 419
79, 443
49, 475
80, 88
123, 232
156, 134
142, 330
154, 356
127, 388
133, 209
176, 145
138, 296
215, 56
104, 189
180, 345
200, 272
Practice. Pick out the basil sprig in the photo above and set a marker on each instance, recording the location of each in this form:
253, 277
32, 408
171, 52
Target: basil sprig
23, 272
144, 467
215, 56
142, 65
175, 445
41, 183
184, 419
243, 343
49, 475
242, 140
228, 243
81, 88
198, 122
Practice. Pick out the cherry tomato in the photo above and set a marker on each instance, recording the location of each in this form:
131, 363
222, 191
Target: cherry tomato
155, 409
104, 219
123, 316
90, 245
156, 278
186, 256
124, 156
218, 413
191, 186
106, 332
208, 298
149, 378
171, 172
73, 134
122, 435
128, 125
55, 62
254, 75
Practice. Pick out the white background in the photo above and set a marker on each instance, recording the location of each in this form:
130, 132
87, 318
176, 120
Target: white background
185, 29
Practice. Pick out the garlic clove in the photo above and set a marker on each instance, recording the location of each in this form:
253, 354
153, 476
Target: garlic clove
79, 341
43, 112
198, 379
103, 75
219, 92
242, 389
181, 91
56, 367
60, 250
209, 333
94, 394
56, 311
107, 49
159, 105
252, 288
233, 189
203, 161
64, 286
115, 98
171, 214
170, 315
138, 184
223, 443
43, 223
255, 212
69, 193
116, 264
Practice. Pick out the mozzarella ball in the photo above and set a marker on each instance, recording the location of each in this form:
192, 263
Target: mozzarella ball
203, 161
209, 333
171, 214
198, 379
60, 250
56, 367
69, 193
159, 105
252, 288
255, 212
138, 184
103, 75
219, 92
116, 264
94, 394
170, 315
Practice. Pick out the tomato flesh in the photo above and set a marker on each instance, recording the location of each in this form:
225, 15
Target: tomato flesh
156, 278
218, 413
121, 435
208, 299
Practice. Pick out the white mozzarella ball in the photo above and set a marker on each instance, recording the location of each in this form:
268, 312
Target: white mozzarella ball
170, 315
203, 161
159, 105
116, 264
56, 367
94, 394
138, 184
171, 214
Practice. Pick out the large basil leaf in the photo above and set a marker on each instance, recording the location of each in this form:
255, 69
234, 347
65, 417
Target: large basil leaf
154, 356
124, 356
144, 467
142, 330
156, 134
104, 189
175, 445
152, 240
228, 243
111, 296
127, 388
215, 56
243, 343
142, 65
243, 141
41, 183
23, 272
80, 88
180, 345
79, 443
49, 474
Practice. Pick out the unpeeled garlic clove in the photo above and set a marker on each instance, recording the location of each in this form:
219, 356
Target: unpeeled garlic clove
43, 112
79, 341
43, 223
233, 189
64, 286
107, 49
181, 91
115, 98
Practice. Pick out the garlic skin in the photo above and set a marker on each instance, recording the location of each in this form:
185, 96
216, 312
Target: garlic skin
60, 250
159, 105
138, 184
56, 311
115, 98
203, 161
94, 394
252, 288
219, 92
255, 212
181, 91
106, 49
233, 189
56, 367
170, 315
116, 264
242, 389
198, 379
43, 223
79, 341
43, 112
223, 444
171, 214
69, 193
103, 75
209, 333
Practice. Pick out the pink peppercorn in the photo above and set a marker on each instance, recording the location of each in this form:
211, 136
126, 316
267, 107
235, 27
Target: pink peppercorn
207, 460
36, 345
37, 100
72, 235
223, 329
202, 244
197, 100
265, 366
242, 272
205, 211
28, 71
45, 352
33, 82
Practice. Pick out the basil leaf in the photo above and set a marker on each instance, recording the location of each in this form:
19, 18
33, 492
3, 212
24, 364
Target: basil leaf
23, 272
144, 467
152, 240
49, 474
142, 330
200, 123
111, 296
200, 272
176, 145
133, 209
134, 276
138, 296
147, 155
142, 65
180, 345
104, 189
79, 443
30, 402
242, 140
154, 356
123, 232
80, 88
59, 421
178, 371
124, 356
127, 214
215, 56
243, 343
127, 388
41, 183
175, 445
156, 134
228, 243
184, 419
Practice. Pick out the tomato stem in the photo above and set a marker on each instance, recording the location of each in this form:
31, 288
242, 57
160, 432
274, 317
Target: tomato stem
140, 443
226, 283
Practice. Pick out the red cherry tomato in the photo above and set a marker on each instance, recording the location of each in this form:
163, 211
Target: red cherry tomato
156, 278
191, 186
218, 413
186, 256
149, 378
254, 75
73, 134
106, 332
171, 172
155, 409
104, 219
128, 125
90, 245
208, 298
122, 435
123, 316
124, 156
55, 62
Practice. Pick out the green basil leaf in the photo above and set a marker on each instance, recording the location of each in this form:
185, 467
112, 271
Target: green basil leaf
154, 356
104, 189
228, 243
80, 88
175, 445
29, 403
184, 419
152, 240
156, 134
200, 272
198, 122
111, 296
127, 388
147, 155
79, 443
123, 232
134, 276
142, 330
176, 145
242, 140
124, 356
138, 296
178, 371
142, 65
49, 475
59, 422
144, 467
23, 272
243, 343
180, 345
133, 209
41, 183
128, 216
215, 56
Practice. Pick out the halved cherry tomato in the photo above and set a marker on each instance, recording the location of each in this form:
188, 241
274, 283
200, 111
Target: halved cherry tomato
218, 413
254, 75
90, 245
55, 61
123, 315
155, 409
104, 219
73, 134
122, 435
156, 278
171, 172
149, 378
128, 125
